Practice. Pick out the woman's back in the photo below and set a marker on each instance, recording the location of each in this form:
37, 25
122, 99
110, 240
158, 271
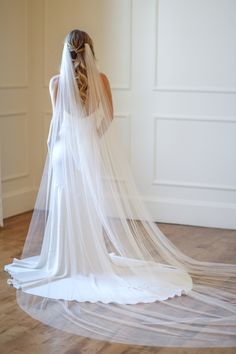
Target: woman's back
89, 106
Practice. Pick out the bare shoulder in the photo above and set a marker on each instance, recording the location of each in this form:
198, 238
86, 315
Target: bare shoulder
107, 87
105, 79
53, 82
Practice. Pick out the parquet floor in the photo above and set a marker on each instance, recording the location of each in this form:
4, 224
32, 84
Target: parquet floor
20, 334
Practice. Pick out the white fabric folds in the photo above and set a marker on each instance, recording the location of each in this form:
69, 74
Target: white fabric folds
94, 262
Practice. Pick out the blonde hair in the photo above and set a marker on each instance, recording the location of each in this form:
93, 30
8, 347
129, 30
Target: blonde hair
76, 40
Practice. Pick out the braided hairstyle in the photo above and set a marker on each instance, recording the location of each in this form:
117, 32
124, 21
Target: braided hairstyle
76, 40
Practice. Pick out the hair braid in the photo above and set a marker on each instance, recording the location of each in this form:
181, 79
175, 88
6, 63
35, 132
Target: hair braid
81, 78
76, 40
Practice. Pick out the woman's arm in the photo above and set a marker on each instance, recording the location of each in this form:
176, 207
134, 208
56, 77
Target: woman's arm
108, 92
53, 87
104, 124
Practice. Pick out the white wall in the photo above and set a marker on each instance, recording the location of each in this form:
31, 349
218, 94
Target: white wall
194, 113
16, 121
171, 65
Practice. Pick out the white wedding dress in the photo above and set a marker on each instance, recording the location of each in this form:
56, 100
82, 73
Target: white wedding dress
94, 263
98, 274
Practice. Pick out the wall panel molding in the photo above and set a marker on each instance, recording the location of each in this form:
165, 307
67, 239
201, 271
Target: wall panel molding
24, 172
174, 183
25, 83
128, 86
181, 89
194, 185
10, 114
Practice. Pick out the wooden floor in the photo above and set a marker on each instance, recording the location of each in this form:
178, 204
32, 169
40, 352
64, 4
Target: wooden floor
20, 334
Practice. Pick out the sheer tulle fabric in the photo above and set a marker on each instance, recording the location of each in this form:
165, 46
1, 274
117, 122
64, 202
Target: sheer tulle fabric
94, 263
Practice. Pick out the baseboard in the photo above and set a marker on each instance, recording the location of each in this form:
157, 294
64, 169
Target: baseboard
197, 213
18, 202
174, 211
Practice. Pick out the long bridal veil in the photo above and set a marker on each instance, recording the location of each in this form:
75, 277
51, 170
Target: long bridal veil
94, 262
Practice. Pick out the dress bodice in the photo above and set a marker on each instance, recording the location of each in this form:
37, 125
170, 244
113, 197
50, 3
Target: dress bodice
87, 122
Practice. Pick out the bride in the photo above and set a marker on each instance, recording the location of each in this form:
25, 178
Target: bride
94, 262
